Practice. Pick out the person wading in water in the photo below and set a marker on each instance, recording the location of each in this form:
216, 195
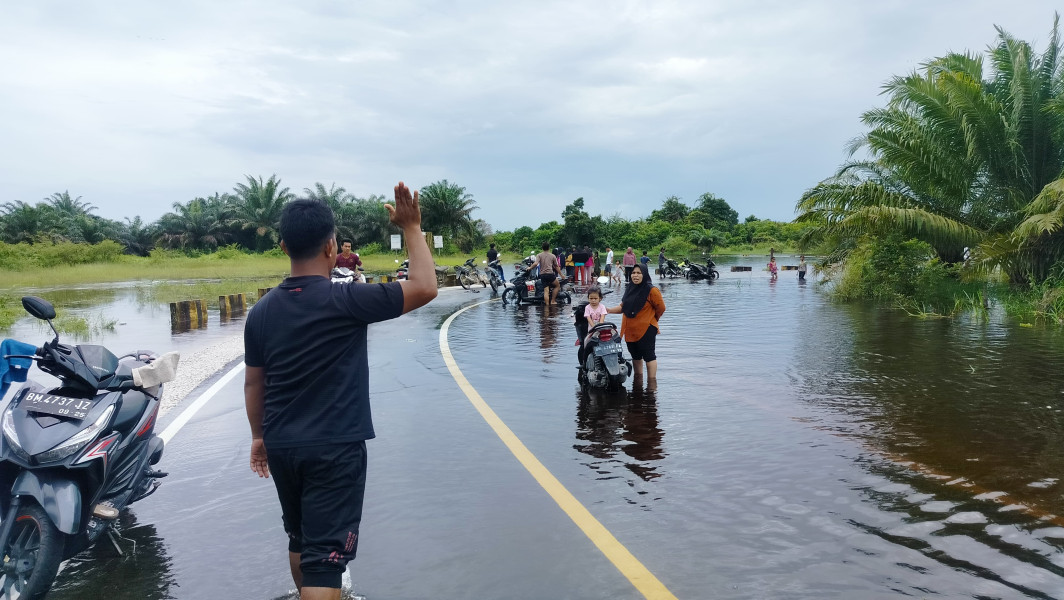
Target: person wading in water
642, 305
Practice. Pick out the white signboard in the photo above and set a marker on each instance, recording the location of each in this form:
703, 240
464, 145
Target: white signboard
437, 241
397, 242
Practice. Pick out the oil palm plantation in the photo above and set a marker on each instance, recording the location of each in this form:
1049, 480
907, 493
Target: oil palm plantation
198, 225
257, 207
957, 158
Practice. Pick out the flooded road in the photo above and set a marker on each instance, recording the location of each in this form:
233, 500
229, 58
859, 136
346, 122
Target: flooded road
792, 448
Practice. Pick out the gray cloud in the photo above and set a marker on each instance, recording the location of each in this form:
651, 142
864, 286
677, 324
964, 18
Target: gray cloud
135, 106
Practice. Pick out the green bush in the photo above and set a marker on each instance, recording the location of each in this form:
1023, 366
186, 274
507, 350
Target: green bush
907, 274
20, 257
229, 252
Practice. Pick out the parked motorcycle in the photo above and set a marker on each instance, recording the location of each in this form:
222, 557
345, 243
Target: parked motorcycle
404, 268
671, 270
468, 274
494, 280
76, 455
527, 288
711, 269
600, 358
695, 271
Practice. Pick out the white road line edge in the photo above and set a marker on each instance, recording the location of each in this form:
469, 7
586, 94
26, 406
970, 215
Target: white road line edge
188, 413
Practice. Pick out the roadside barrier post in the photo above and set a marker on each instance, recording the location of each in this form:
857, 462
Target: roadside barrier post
188, 314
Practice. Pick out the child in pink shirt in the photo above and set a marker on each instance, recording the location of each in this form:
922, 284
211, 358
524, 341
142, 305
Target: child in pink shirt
595, 311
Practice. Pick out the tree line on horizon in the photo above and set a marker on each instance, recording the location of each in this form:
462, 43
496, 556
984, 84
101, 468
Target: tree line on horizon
248, 217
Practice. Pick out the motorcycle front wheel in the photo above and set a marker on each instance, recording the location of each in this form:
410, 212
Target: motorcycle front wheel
714, 274
33, 555
509, 296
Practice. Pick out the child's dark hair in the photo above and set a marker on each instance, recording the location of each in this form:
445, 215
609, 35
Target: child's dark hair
594, 290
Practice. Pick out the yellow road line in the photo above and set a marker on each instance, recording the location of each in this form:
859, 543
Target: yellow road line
625, 561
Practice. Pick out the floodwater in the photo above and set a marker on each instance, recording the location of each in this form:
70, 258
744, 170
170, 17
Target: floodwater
791, 448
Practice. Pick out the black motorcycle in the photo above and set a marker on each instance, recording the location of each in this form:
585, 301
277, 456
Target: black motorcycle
494, 280
711, 269
695, 271
526, 288
671, 269
599, 354
76, 455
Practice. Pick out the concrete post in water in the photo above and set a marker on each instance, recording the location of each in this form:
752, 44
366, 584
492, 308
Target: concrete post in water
231, 306
262, 292
188, 314
738, 269
789, 268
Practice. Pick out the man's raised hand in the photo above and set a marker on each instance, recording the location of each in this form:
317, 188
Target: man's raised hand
406, 212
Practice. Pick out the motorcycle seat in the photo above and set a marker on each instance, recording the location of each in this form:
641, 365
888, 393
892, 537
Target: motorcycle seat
133, 404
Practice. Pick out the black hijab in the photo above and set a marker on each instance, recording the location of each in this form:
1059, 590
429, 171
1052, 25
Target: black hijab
635, 296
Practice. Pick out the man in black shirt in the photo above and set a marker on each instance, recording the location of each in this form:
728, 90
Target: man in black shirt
314, 418
493, 254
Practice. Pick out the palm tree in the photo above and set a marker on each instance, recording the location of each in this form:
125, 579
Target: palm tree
257, 209
72, 207
335, 197
364, 221
138, 237
446, 210
198, 225
22, 222
956, 159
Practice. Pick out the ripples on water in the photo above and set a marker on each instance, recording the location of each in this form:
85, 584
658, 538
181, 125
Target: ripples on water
817, 442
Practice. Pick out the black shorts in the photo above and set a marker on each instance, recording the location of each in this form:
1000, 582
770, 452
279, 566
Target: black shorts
321, 490
644, 348
607, 269
548, 278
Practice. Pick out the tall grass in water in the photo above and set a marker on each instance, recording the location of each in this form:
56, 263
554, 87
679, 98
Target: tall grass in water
1038, 303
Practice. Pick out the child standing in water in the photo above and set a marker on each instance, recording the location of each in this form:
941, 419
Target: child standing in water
773, 270
595, 311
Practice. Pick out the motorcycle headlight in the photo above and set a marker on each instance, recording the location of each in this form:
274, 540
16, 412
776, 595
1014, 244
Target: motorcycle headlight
12, 436
78, 440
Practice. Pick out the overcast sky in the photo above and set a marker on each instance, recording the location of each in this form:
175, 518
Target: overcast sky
135, 105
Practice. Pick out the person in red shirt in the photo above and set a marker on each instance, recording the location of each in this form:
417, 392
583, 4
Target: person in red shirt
348, 259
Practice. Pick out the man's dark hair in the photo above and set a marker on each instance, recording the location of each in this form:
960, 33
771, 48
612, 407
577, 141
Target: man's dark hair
545, 246
306, 226
492, 245
345, 241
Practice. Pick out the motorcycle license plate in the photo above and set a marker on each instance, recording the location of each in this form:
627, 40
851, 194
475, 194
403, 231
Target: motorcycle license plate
609, 348
60, 406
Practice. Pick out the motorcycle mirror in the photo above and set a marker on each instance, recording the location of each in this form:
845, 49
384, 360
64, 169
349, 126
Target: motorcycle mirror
38, 307
42, 309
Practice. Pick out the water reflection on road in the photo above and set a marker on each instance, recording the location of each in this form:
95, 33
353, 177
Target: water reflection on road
792, 447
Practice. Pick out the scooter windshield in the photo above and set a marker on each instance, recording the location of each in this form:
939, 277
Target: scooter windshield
100, 361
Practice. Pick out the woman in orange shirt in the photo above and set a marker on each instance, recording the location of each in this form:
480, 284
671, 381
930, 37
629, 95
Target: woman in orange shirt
642, 305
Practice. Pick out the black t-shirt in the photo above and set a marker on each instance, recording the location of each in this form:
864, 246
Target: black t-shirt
492, 255
310, 336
